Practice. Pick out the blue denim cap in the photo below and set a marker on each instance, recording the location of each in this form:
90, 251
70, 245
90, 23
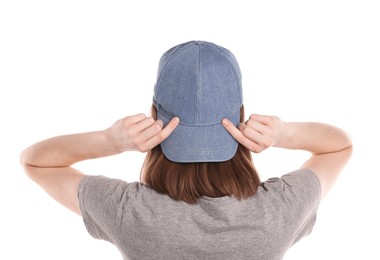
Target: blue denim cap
200, 83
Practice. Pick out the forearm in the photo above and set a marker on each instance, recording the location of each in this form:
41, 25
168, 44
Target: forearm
62, 151
318, 138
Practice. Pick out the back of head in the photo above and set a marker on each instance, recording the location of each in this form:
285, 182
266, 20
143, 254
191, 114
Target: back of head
199, 82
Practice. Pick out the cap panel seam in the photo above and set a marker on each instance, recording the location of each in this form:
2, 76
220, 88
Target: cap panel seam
231, 66
164, 69
198, 83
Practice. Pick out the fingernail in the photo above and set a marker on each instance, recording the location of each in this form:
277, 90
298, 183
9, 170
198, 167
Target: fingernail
225, 122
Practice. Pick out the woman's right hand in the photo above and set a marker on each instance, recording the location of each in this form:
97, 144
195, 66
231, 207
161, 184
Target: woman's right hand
330, 146
257, 134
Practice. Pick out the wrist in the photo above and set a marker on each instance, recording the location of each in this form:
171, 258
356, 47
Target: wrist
113, 144
283, 134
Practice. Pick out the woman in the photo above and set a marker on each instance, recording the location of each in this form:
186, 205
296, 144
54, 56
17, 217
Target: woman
200, 196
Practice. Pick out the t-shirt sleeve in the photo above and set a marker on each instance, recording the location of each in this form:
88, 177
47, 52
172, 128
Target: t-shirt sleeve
304, 188
99, 202
299, 194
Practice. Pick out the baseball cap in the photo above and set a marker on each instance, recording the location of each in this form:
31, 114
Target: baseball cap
199, 82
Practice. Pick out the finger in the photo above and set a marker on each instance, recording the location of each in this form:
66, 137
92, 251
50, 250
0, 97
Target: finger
138, 127
236, 133
163, 134
150, 131
266, 120
258, 141
239, 136
264, 140
258, 126
130, 120
250, 133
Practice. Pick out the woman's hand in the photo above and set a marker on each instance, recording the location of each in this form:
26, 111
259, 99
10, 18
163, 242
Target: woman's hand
139, 133
49, 162
257, 134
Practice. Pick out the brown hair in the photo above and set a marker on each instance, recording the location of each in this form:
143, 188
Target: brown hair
189, 181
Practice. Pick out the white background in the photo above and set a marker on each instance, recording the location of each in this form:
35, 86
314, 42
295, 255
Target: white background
74, 66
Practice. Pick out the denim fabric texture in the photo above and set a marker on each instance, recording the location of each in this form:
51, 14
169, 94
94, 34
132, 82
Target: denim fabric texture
200, 82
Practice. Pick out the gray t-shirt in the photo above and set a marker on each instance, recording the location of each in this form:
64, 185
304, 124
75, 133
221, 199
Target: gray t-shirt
144, 224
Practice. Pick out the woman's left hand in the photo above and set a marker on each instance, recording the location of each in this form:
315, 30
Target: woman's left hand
258, 133
139, 133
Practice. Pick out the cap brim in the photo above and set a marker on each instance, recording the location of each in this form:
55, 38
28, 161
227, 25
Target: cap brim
199, 143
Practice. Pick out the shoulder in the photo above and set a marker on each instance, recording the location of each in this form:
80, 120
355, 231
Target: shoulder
104, 189
102, 202
101, 184
97, 193
304, 180
299, 180
292, 200
297, 190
